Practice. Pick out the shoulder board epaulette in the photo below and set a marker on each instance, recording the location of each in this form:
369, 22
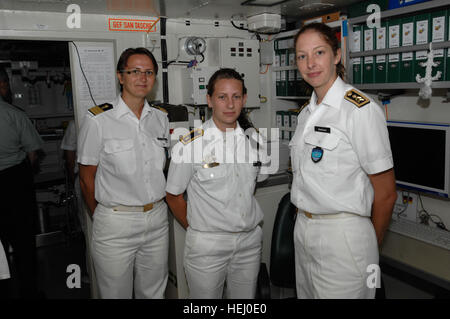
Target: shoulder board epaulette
162, 109
356, 98
96, 110
159, 108
303, 106
192, 135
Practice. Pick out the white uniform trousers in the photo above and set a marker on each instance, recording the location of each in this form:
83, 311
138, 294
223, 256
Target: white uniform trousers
332, 257
211, 258
86, 228
130, 249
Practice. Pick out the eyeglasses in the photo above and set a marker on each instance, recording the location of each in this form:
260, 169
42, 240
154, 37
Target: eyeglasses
136, 72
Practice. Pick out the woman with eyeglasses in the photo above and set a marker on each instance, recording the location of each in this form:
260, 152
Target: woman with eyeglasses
343, 178
122, 155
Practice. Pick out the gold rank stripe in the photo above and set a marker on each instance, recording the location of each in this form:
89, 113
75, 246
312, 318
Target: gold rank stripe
162, 109
192, 135
356, 98
100, 108
209, 165
303, 106
96, 110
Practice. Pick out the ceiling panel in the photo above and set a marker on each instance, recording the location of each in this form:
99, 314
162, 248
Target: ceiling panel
196, 9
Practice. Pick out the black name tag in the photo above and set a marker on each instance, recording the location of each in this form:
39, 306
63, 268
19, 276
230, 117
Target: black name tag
161, 139
322, 129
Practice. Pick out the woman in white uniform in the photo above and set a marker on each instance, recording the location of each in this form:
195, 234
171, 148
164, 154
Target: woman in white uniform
344, 184
219, 171
121, 151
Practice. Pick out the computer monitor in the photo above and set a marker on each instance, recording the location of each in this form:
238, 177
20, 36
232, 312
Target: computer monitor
421, 153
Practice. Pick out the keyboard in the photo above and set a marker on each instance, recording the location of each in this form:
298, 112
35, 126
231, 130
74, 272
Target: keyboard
434, 236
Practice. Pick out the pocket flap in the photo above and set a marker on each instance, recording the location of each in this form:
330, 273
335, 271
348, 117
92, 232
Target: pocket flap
115, 146
218, 171
326, 141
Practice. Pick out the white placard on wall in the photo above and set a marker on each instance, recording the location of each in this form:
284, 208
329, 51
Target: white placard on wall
98, 64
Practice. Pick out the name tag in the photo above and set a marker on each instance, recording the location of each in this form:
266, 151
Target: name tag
161, 139
322, 129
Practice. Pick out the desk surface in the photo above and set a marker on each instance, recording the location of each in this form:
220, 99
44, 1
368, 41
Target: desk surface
417, 254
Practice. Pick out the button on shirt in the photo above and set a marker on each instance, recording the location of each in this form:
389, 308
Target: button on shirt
220, 197
354, 142
128, 152
17, 136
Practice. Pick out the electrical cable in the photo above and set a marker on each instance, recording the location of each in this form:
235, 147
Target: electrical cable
405, 206
239, 28
178, 62
425, 217
84, 75
165, 80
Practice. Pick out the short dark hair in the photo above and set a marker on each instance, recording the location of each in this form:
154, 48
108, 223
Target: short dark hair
329, 36
224, 73
123, 60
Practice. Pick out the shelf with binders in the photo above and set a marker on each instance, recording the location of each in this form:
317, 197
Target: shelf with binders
288, 80
286, 122
289, 91
389, 56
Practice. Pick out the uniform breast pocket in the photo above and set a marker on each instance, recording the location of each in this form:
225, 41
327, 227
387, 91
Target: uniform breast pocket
212, 174
120, 156
215, 182
327, 162
159, 156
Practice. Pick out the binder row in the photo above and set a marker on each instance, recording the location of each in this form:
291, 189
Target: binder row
287, 122
395, 32
288, 82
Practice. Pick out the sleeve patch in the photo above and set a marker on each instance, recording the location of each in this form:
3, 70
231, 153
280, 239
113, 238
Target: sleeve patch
192, 135
356, 98
100, 108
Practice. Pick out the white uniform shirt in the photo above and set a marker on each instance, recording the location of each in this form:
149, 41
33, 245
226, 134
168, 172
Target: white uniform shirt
17, 136
129, 154
4, 269
220, 198
69, 141
355, 143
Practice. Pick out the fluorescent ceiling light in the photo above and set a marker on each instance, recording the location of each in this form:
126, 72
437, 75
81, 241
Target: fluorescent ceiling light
262, 3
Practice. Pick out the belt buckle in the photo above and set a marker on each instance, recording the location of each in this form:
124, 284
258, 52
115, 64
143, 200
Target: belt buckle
148, 207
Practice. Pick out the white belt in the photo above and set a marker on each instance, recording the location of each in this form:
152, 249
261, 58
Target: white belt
141, 209
329, 216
